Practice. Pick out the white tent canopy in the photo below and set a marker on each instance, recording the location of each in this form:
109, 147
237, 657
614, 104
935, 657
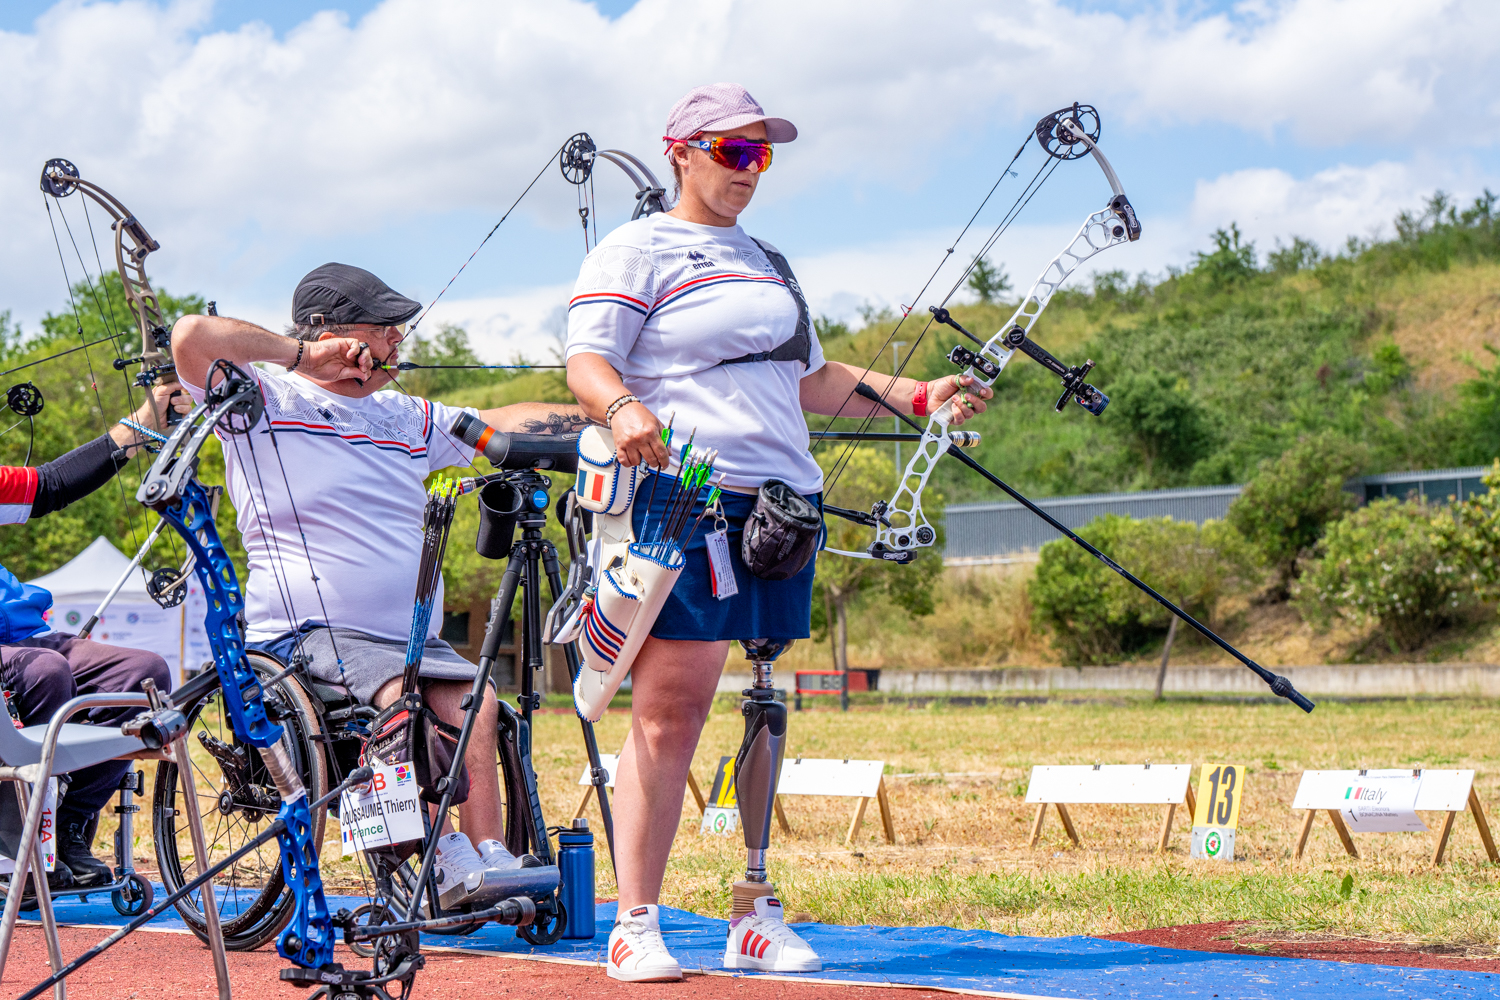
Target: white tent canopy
132, 618
89, 575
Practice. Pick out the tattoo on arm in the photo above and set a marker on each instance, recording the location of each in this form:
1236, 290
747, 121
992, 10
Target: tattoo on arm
557, 423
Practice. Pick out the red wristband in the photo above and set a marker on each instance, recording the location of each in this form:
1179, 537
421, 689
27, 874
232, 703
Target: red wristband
919, 400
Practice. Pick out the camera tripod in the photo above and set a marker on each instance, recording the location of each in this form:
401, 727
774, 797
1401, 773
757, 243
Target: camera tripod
520, 499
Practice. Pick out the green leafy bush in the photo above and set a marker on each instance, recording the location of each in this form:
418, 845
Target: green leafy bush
1384, 563
1286, 507
1095, 616
1470, 537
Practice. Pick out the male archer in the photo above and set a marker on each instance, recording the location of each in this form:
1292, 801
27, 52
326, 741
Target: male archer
328, 490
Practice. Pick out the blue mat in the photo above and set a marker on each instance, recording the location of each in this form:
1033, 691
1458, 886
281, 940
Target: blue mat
972, 961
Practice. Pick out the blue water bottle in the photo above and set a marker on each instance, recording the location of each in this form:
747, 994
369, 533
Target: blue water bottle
575, 862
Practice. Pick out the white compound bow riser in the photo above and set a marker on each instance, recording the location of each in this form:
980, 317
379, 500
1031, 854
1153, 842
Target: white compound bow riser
908, 528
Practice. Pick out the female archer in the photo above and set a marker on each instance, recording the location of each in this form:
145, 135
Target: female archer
683, 316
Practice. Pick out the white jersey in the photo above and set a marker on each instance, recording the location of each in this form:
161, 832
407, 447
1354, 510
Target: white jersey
355, 468
664, 302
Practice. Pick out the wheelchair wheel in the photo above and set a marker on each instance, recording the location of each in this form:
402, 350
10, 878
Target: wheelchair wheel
134, 897
237, 800
547, 929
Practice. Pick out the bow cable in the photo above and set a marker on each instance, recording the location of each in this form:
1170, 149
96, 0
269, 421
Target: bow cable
1035, 184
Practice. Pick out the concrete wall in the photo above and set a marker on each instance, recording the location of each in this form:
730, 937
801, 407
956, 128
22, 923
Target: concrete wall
1387, 679
1345, 680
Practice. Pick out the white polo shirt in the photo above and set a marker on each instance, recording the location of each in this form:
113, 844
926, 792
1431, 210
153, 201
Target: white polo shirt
354, 472
664, 302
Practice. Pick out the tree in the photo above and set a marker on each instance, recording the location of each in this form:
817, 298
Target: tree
1385, 563
866, 477
84, 396
1230, 262
827, 328
1286, 507
988, 280
1096, 616
1160, 420
1469, 536
448, 346
1301, 255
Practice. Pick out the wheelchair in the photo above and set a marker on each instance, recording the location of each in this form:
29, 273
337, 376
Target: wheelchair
324, 730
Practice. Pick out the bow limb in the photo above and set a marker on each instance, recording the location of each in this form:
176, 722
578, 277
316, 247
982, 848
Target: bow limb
902, 527
133, 244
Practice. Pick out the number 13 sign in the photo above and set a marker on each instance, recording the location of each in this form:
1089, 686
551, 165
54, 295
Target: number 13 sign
1220, 788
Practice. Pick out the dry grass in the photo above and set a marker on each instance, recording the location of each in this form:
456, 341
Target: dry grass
1442, 321
961, 859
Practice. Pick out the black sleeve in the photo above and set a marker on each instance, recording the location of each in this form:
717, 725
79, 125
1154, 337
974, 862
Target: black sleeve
77, 474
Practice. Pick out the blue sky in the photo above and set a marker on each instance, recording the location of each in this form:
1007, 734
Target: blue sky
258, 140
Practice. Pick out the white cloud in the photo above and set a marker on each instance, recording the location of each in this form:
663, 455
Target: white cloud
1328, 207
242, 150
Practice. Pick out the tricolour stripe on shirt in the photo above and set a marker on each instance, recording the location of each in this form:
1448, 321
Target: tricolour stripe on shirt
709, 280
608, 299
359, 440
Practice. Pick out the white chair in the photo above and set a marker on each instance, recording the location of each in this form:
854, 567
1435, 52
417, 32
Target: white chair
30, 756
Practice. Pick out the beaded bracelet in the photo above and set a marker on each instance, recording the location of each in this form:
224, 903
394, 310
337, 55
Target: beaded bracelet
614, 407
301, 346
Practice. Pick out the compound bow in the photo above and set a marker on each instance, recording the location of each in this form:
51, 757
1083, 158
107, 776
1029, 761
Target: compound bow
901, 526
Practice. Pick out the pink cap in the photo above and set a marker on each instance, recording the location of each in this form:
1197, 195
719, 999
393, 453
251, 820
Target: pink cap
720, 107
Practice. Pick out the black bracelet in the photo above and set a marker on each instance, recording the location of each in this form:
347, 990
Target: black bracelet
301, 346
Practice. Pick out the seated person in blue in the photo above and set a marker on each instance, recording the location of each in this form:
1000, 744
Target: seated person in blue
40, 669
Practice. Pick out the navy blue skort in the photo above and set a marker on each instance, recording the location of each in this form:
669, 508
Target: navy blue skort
763, 609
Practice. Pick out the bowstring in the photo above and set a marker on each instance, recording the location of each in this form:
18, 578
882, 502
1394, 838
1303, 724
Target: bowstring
1038, 180
88, 358
113, 321
417, 322
842, 461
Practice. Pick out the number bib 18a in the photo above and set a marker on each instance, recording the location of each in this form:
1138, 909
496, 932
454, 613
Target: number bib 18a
1220, 787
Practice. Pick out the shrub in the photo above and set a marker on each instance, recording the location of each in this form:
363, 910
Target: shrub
1286, 507
1384, 563
1470, 537
1096, 616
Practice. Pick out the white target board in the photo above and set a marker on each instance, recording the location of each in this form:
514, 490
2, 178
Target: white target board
853, 778
1384, 800
1120, 784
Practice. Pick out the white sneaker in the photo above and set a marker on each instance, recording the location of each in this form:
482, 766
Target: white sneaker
762, 941
637, 954
494, 855
463, 878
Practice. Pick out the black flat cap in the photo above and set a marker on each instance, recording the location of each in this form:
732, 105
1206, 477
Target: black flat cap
336, 294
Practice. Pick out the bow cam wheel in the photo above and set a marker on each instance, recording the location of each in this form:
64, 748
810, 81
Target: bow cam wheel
576, 161
1061, 142
25, 400
58, 177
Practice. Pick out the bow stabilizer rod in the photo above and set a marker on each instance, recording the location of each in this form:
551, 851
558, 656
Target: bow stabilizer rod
1280, 685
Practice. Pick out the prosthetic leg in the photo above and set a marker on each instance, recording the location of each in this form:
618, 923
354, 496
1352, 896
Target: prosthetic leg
758, 937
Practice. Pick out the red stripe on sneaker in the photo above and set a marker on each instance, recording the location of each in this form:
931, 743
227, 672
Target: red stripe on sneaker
765, 943
620, 952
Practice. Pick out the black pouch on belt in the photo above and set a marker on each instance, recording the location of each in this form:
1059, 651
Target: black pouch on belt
781, 533
399, 735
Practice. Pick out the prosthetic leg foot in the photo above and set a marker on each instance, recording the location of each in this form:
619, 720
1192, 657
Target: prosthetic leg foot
758, 936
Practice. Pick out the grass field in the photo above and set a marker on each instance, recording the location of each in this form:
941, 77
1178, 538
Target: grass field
961, 857
957, 777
